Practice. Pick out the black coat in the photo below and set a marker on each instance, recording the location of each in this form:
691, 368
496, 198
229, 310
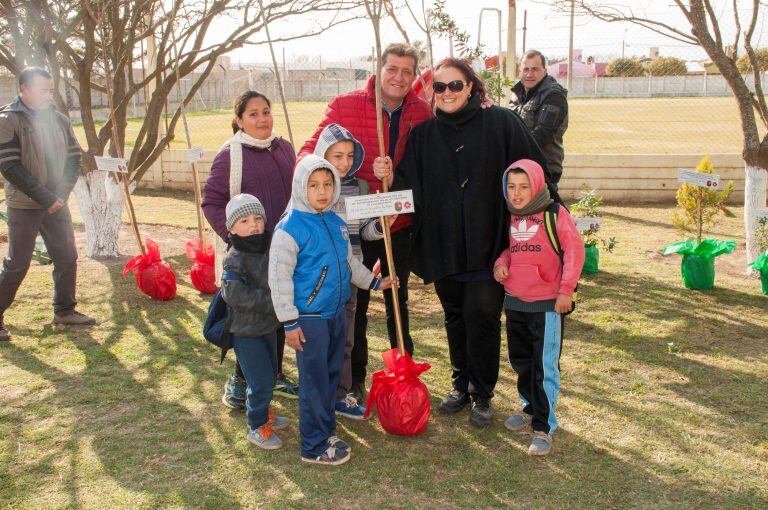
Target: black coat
544, 109
454, 163
250, 299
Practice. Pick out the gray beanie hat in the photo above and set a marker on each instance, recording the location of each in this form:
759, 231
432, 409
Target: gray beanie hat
243, 205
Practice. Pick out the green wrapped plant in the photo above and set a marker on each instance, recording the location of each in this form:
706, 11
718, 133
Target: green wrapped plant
698, 265
589, 206
698, 208
39, 254
761, 264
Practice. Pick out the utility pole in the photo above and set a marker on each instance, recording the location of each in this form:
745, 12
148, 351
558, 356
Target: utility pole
511, 48
570, 52
623, 37
525, 28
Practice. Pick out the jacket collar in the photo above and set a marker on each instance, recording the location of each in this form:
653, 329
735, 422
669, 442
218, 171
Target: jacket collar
523, 96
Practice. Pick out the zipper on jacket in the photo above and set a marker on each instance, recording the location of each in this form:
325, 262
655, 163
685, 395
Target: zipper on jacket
338, 262
319, 284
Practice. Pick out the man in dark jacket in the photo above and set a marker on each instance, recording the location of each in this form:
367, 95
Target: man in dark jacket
543, 105
40, 162
403, 110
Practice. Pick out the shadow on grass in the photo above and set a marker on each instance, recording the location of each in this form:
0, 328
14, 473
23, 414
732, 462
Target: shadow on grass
153, 444
142, 440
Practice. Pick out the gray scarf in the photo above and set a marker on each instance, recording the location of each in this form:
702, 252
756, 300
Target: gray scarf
540, 202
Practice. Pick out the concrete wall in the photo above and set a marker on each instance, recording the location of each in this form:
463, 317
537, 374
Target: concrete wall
632, 178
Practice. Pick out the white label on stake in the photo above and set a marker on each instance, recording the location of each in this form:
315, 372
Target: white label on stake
194, 154
762, 213
379, 204
584, 224
700, 179
111, 164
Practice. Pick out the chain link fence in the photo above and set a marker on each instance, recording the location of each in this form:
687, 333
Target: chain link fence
617, 105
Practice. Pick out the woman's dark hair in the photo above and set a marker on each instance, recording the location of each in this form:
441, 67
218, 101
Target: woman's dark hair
241, 102
470, 76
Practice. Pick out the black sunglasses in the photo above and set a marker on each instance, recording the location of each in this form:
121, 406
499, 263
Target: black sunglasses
455, 86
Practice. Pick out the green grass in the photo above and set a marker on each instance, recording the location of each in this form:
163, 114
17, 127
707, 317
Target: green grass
128, 414
604, 126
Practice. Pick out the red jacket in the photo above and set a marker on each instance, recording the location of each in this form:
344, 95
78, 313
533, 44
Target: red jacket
356, 111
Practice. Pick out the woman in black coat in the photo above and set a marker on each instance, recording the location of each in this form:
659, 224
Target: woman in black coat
454, 164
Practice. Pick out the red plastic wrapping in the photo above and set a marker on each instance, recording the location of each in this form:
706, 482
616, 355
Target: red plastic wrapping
154, 277
402, 400
203, 273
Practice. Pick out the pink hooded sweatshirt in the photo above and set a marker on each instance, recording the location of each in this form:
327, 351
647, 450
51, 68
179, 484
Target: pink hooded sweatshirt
535, 270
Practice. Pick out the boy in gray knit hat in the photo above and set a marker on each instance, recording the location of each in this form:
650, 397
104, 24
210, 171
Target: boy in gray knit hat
245, 288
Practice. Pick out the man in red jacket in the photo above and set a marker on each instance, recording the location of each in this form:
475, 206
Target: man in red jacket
402, 111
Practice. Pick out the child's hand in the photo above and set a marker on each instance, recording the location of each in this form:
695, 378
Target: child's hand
386, 283
295, 338
563, 303
500, 273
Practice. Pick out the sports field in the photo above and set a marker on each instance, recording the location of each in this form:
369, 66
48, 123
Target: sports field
600, 126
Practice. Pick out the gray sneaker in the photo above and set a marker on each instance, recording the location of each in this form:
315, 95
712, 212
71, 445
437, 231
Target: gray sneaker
264, 437
73, 318
521, 421
279, 422
481, 413
454, 401
541, 444
332, 456
338, 443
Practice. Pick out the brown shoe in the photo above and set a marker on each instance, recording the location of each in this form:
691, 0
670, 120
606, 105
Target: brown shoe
5, 335
73, 318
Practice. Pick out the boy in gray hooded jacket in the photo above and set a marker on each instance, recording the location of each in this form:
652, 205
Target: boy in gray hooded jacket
310, 269
337, 146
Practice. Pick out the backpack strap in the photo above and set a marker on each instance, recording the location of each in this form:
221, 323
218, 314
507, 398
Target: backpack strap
230, 276
550, 222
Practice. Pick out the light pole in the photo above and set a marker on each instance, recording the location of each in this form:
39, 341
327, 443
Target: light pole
570, 52
511, 56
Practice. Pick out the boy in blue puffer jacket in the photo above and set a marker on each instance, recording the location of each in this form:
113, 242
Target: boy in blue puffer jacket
310, 268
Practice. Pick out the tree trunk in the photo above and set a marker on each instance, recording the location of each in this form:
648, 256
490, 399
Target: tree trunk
101, 204
755, 182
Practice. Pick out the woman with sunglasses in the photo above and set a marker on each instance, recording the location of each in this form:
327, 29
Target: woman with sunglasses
454, 164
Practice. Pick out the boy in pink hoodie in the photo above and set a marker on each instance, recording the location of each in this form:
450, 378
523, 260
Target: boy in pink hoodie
539, 283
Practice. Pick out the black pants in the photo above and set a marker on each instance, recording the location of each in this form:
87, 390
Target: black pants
56, 230
534, 342
473, 327
280, 348
373, 251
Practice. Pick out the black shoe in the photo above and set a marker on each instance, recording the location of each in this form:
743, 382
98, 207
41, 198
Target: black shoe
481, 413
358, 390
73, 318
5, 335
454, 401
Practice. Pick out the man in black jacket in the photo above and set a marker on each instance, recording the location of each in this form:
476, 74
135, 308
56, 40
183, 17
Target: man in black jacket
40, 162
542, 104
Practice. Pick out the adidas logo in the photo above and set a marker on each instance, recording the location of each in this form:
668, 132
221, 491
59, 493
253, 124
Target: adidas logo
523, 232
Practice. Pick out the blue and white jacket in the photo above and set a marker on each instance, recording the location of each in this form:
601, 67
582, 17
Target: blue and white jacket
310, 260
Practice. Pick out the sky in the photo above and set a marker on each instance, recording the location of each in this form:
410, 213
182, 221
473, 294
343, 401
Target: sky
547, 31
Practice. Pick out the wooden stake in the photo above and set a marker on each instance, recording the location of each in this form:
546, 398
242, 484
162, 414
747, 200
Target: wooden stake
195, 175
115, 138
374, 13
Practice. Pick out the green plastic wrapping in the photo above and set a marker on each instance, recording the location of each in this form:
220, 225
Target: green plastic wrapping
698, 264
761, 264
591, 259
